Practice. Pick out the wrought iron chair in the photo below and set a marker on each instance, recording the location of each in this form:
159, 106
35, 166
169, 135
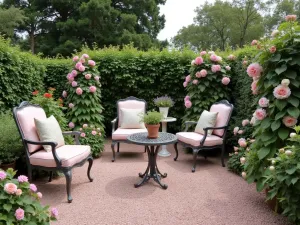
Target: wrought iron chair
217, 139
63, 158
120, 134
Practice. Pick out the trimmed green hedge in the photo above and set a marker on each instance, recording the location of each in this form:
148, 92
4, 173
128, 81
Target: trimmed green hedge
20, 74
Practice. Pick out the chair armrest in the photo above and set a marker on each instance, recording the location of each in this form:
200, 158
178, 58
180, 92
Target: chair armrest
76, 135
210, 128
52, 144
188, 124
113, 124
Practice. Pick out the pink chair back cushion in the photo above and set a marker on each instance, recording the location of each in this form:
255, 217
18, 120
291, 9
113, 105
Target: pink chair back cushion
26, 119
224, 112
129, 104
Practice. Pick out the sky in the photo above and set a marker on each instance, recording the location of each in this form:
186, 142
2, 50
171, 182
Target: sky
178, 13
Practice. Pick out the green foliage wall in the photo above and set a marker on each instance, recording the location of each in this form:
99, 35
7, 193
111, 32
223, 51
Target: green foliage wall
20, 74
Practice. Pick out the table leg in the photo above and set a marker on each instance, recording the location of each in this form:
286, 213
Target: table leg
164, 152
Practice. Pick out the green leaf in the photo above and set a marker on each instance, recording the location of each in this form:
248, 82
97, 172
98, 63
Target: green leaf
283, 133
281, 69
260, 185
290, 74
294, 180
275, 58
294, 101
280, 104
275, 125
263, 152
294, 112
266, 136
266, 123
296, 93
280, 115
7, 207
291, 170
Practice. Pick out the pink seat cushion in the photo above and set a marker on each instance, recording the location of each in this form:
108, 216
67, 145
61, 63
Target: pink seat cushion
26, 119
194, 139
69, 155
129, 104
121, 134
224, 112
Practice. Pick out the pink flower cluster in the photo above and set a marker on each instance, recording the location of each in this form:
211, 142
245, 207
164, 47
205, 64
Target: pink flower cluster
291, 18
2, 175
187, 102
215, 68
245, 122
282, 92
289, 121
215, 58
263, 102
225, 80
242, 142
254, 87
231, 57
187, 80
19, 214
198, 61
272, 49
254, 70
203, 53
254, 42
260, 114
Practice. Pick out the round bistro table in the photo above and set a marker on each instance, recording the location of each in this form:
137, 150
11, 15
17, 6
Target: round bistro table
152, 147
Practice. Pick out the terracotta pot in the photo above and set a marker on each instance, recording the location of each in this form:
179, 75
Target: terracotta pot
153, 130
8, 165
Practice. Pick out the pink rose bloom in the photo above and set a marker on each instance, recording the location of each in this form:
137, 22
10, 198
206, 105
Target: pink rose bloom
185, 84
245, 122
214, 58
195, 81
235, 130
272, 49
80, 129
88, 76
254, 42
22, 179
64, 94
188, 104
75, 58
235, 148
85, 125
82, 60
245, 62
227, 67
97, 78
203, 53
225, 80
91, 63
54, 212
242, 142
81, 68
241, 132
291, 18
94, 132
19, 214
71, 125
274, 33
231, 57
285, 82
74, 84
92, 89
85, 56
263, 102
187, 98
82, 134
2, 175
79, 91
74, 72
282, 92
253, 120
10, 188
18, 192
203, 73
77, 65
254, 70
40, 195
254, 87
32, 187
289, 121
215, 68
188, 78
198, 75
71, 105
198, 60
260, 114
70, 77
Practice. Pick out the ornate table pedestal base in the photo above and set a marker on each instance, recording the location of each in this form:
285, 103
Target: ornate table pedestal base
152, 171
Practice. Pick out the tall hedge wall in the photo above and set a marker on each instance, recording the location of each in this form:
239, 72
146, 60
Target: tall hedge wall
20, 74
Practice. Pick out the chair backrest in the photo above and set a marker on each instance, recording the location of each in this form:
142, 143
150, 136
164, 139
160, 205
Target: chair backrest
24, 116
224, 109
130, 103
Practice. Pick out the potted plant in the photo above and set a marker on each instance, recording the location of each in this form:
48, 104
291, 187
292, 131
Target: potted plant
164, 103
152, 122
10, 142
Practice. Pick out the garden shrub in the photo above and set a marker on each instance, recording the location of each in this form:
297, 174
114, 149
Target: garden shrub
83, 99
277, 84
20, 74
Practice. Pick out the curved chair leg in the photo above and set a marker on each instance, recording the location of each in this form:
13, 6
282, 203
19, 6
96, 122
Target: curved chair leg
176, 150
113, 151
90, 159
145, 149
222, 155
50, 176
118, 149
29, 171
68, 175
195, 153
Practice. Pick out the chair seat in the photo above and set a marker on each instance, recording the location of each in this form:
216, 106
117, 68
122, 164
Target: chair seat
69, 155
194, 139
121, 134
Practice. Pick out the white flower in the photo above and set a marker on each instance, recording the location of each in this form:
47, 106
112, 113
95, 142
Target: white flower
273, 162
243, 160
244, 175
193, 62
281, 150
292, 135
285, 82
272, 168
288, 152
274, 33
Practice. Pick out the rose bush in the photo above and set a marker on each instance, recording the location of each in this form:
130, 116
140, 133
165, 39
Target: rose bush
20, 202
